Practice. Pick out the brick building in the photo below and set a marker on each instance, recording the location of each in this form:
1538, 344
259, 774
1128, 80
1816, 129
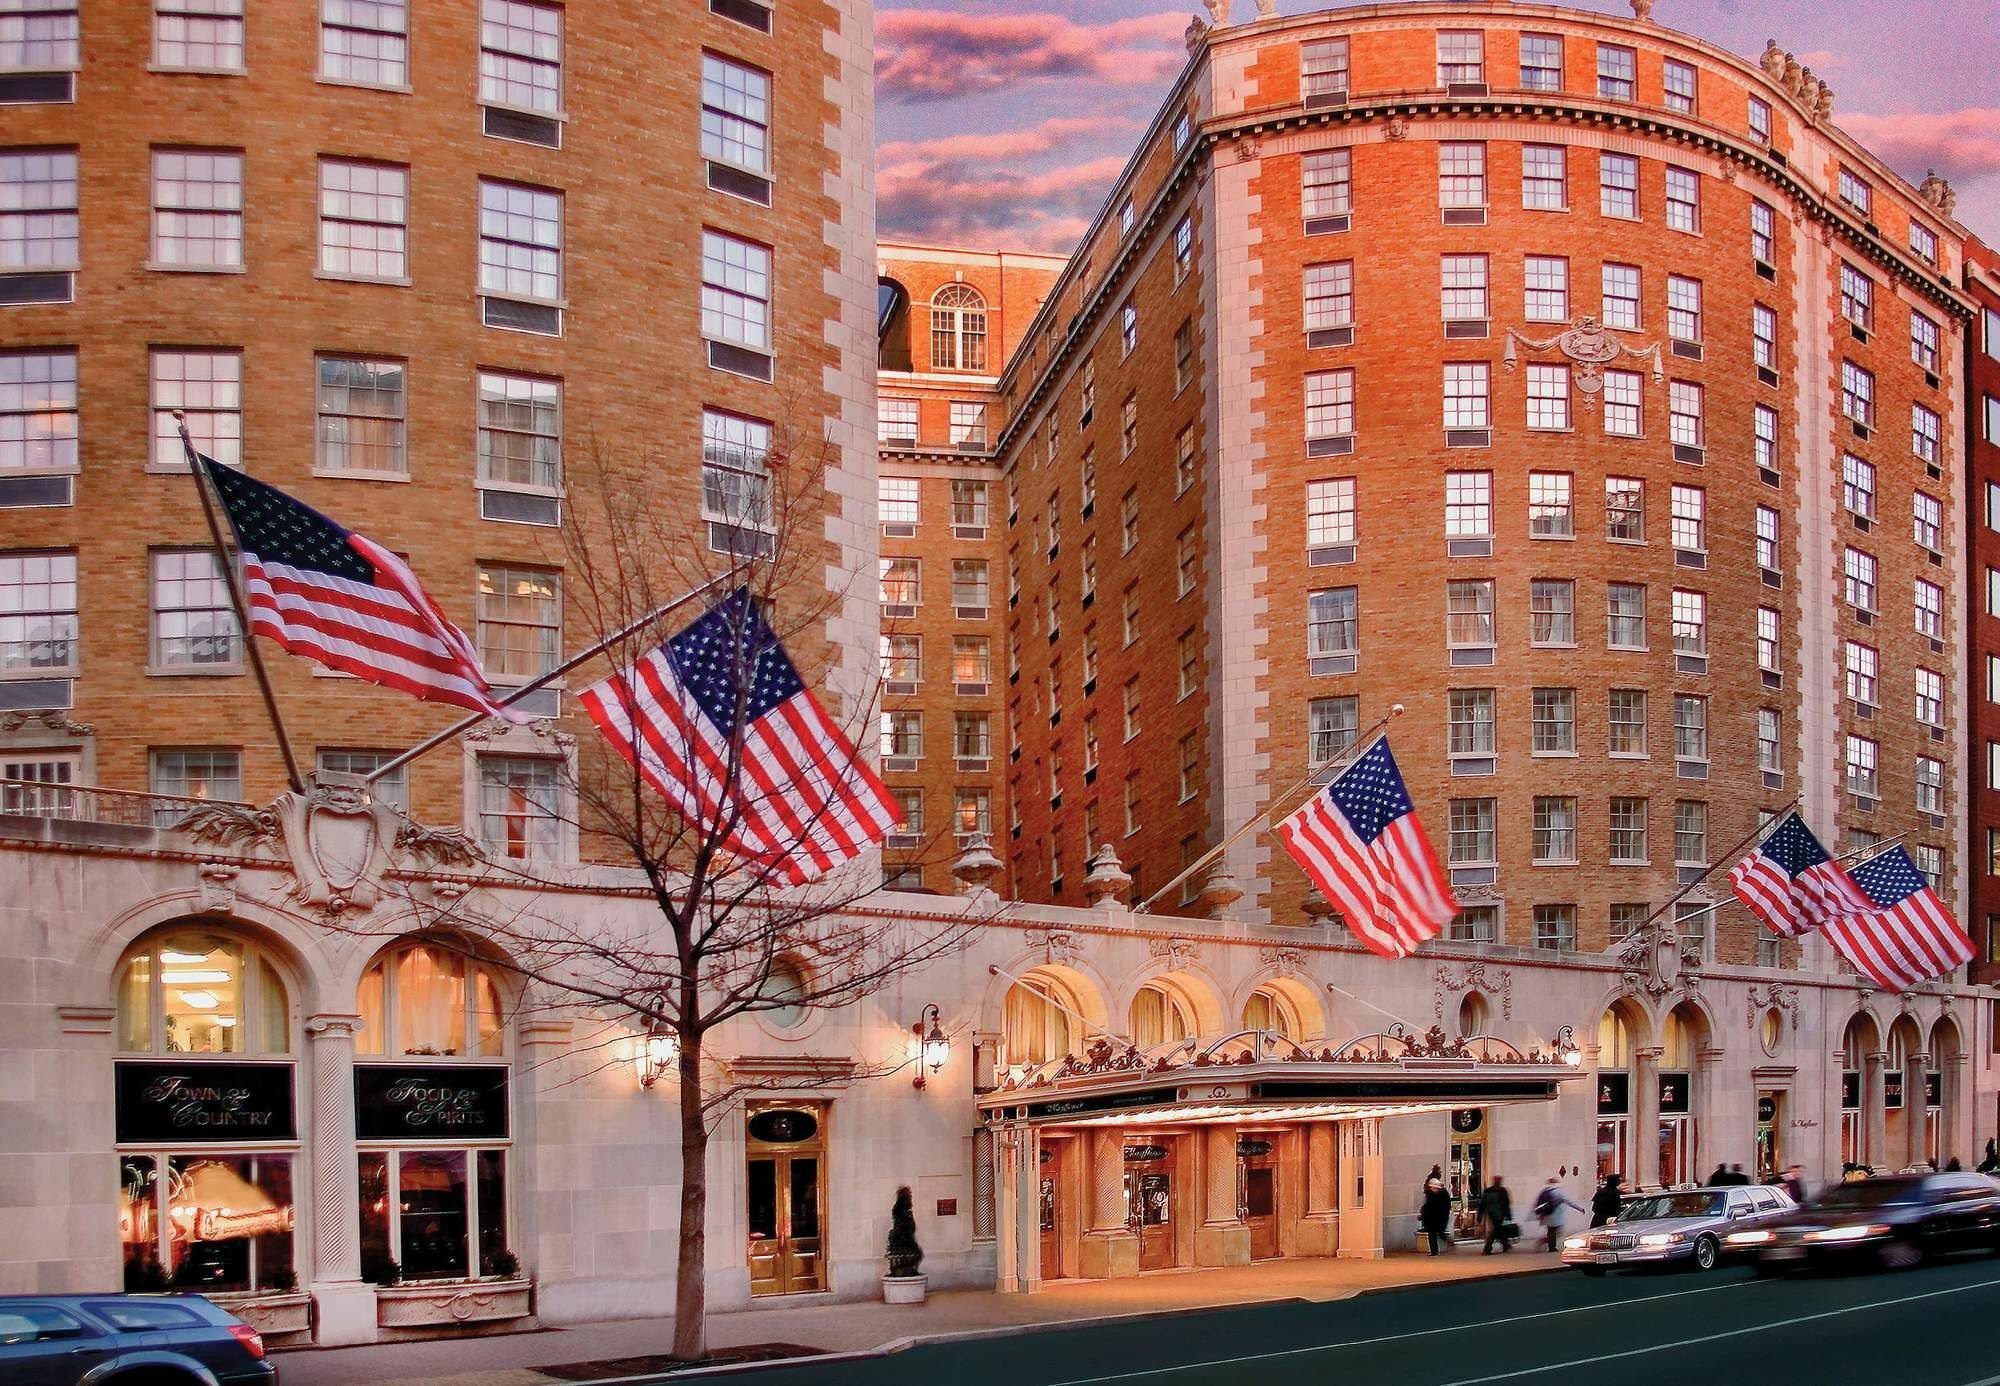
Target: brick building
1982, 491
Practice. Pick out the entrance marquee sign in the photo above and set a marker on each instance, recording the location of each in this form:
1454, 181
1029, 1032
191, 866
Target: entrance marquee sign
407, 1102
167, 1103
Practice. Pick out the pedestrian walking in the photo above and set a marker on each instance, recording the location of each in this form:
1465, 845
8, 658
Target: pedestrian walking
1496, 1209
1952, 1166
1435, 1216
1549, 1205
1736, 1177
1720, 1177
1604, 1205
1793, 1182
1991, 1162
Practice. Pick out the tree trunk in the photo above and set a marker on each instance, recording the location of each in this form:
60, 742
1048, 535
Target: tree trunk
691, 1278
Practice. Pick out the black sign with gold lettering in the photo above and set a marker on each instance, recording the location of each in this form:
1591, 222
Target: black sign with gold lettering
1675, 1094
1614, 1093
166, 1103
441, 1102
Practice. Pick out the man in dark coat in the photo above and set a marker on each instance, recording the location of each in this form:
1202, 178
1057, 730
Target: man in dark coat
1496, 1210
1604, 1204
1435, 1216
1720, 1178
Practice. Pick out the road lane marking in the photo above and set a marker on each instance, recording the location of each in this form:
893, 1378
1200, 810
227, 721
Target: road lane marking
1731, 1333
1511, 1319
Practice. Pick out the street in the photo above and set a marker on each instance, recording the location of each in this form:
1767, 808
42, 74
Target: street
1920, 1328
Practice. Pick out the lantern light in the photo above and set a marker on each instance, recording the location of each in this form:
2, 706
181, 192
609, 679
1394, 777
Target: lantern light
654, 1055
929, 1049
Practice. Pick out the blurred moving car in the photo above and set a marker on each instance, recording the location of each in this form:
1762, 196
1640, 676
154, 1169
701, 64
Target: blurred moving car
162, 1340
1890, 1220
1690, 1225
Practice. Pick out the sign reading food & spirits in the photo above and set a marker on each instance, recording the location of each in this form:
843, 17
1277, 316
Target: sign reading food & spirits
432, 1102
168, 1103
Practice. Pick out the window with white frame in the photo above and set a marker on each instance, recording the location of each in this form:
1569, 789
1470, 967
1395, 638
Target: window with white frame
1925, 338
1690, 832
897, 499
1552, 612
1333, 621
1690, 726
1690, 518
364, 219
1475, 924
971, 586
520, 55
392, 788
1929, 604
902, 735
958, 333
1764, 437
1466, 394
902, 582
1923, 242
1472, 835
735, 114
1926, 434
1758, 118
1690, 622
1329, 295
1930, 697
522, 807
1190, 775
193, 622
1856, 192
1930, 785
1469, 726
1128, 521
1468, 505
197, 209
1554, 721
1618, 186
1326, 183
196, 35
1128, 216
205, 386
1546, 293
1323, 67
1863, 755
1617, 72
362, 406
520, 622
1764, 336
38, 209
1767, 538
1860, 569
194, 773
1462, 173
1621, 296
1625, 509
1857, 297
1770, 753
1187, 561
1857, 485
1628, 830
1684, 413
1770, 640
1541, 62
1461, 56
40, 35
1678, 80
1462, 283
1625, 615
902, 658
365, 42
520, 433
1625, 722
1128, 425
1624, 399
38, 621
521, 242
1857, 394
968, 423
895, 419
1183, 248
1548, 397
1683, 308
1330, 511
1469, 614
735, 291
1544, 177
1551, 507
1332, 725
1763, 233
1927, 517
1330, 404
1128, 327
1555, 831
1183, 354
1863, 674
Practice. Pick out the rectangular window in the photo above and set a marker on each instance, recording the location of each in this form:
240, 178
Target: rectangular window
1862, 757
1190, 776
1626, 722
38, 217
1547, 288
896, 499
1763, 233
1323, 67
206, 386
1330, 404
1551, 514
1555, 928
38, 625
1625, 615
521, 807
1930, 697
361, 414
1469, 614
1925, 338
1769, 640
1187, 466
197, 209
735, 114
971, 655
1683, 308
1472, 839
735, 470
1861, 587
520, 622
1329, 295
1462, 174
521, 242
1187, 561
971, 736
1924, 245
1625, 509
1684, 413
1618, 186
1128, 327
1617, 72
1461, 56
1690, 727
1856, 193
1767, 538
40, 35
1554, 721
1469, 729
1466, 402
1624, 400
1769, 750
196, 774
1678, 79
1926, 429
1863, 674
1548, 397
1690, 518
392, 788
1764, 428
1764, 336
1857, 486
895, 419
1930, 785
1690, 621
735, 291
969, 503
1857, 394
1128, 425
968, 424
1333, 725
1541, 62
1463, 288
1188, 652
520, 55
1326, 185
1475, 924
1330, 511
1555, 830
1128, 521
1468, 505
195, 35
1857, 297
970, 585
1628, 832
1759, 119
902, 735
902, 582
1927, 521
1621, 297
366, 42
1333, 624
194, 625
1690, 832
1544, 177
1183, 248
903, 658
1183, 354
1683, 199
364, 219
1552, 611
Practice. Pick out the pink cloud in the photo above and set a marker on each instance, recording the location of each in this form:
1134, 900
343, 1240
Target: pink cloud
1002, 144
930, 55
968, 205
1962, 144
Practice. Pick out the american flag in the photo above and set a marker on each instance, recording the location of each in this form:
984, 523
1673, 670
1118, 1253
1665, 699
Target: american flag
325, 592
802, 800
1790, 882
1906, 935
1360, 841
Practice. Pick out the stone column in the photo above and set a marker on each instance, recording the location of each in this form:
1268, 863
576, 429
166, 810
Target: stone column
1110, 1248
1319, 1229
1955, 1132
1645, 1171
1874, 1114
1018, 1216
343, 1303
1715, 1134
1914, 1113
1222, 1239
1360, 1225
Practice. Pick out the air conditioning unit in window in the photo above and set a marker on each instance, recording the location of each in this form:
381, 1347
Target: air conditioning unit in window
1774, 779
1472, 657
895, 611
968, 531
903, 841
1474, 875
1329, 555
1319, 665
1688, 453
1464, 89
1328, 225
1771, 679
756, 14
36, 88
1468, 548
1338, 446
736, 360
1321, 100
1465, 216
971, 690
969, 613
34, 492
1766, 376
1765, 271
1460, 328
1689, 351
899, 765
738, 183
1688, 875
1690, 558
1330, 337
739, 541
971, 765
1468, 437
519, 507
1767, 476
899, 688
1771, 578
523, 127
1691, 769
515, 316
56, 287
1861, 430
899, 531
1474, 765
37, 695
542, 704
1691, 664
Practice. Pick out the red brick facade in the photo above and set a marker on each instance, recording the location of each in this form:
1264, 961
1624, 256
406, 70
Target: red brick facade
1982, 479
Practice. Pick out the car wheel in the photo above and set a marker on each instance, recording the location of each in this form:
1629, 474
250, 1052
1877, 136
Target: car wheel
1707, 1251
1901, 1254
1594, 1272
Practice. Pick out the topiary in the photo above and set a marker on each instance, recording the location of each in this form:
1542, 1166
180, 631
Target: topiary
905, 1256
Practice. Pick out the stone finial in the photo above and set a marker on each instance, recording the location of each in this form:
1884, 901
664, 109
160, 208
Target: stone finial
1316, 907
1267, 9
1938, 192
976, 867
1219, 891
1773, 59
1107, 882
1642, 10
1791, 74
1823, 102
1197, 30
1218, 12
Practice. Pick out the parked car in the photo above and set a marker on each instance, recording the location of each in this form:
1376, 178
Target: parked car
163, 1340
1890, 1220
1687, 1225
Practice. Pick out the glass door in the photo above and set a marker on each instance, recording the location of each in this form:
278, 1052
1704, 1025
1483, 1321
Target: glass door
785, 1201
1149, 1202
1260, 1205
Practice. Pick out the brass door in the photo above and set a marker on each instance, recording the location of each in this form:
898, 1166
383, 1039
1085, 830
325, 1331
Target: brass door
1260, 1205
785, 1218
1049, 1209
1149, 1202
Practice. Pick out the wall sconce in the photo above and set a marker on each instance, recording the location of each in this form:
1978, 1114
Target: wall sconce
928, 1049
1566, 1046
654, 1055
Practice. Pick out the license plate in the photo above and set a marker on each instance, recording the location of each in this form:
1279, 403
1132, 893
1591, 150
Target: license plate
1605, 1258
1785, 1253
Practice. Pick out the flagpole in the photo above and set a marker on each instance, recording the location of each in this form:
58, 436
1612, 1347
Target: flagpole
1708, 871
1354, 753
230, 579
471, 720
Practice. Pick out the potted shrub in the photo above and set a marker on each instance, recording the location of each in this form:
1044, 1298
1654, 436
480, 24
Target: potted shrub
904, 1282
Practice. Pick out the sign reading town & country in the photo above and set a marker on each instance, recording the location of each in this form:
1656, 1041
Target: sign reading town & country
167, 1103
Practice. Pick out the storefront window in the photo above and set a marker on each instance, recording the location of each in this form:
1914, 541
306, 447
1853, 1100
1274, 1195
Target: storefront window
429, 999
219, 1224
201, 992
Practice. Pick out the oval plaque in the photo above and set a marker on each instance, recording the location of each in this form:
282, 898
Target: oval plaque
783, 1126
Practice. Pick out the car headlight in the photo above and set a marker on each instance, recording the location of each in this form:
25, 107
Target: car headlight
1662, 1238
1853, 1232
1755, 1237
1575, 1243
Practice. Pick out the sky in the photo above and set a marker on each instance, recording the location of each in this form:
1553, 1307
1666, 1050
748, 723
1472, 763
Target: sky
1001, 125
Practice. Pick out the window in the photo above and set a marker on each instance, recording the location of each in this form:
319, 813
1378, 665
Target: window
1190, 760
521, 807
1925, 337
1858, 485
735, 114
366, 42
1333, 621
1550, 513
1547, 288
361, 409
1626, 722
1690, 727
38, 218
1552, 611
1678, 79
520, 244
1323, 67
958, 329
1925, 430
193, 774
1555, 927
895, 419
1463, 287
1128, 327
902, 658
1684, 413
1544, 177
1767, 538
1468, 504
970, 586
1461, 55
1461, 174
1555, 830
1333, 724
1625, 509
1469, 724
520, 55
1466, 403
971, 736
1617, 72
1930, 697
1618, 186
1326, 186
1188, 652
1472, 837
896, 499
1764, 336
1769, 640
1541, 62
1628, 831
1621, 297
364, 215
1131, 804
40, 35
1690, 518
392, 789
1690, 832
38, 624
1624, 412
969, 504
1330, 511
520, 622
197, 35
1860, 570
1129, 619
1769, 754
1625, 615
1923, 243
1187, 561
1928, 521
902, 582
735, 470
1759, 119
1475, 924
1187, 466
1469, 620
207, 386
1128, 521
1554, 722
1856, 193
1990, 407
1764, 427
1690, 622
197, 209
1683, 199
736, 294
902, 735
1929, 862
1857, 297
1763, 233
1548, 397
1862, 755
1329, 295
1930, 785
972, 812
1329, 404
194, 626
1183, 248
1683, 308
1183, 354
1130, 709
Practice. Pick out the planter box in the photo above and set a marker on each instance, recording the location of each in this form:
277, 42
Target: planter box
904, 1289
449, 1302
274, 1316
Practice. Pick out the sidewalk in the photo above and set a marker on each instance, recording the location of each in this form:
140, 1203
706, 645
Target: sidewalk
511, 1360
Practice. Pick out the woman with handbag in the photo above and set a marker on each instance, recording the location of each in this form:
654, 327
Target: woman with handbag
1496, 1208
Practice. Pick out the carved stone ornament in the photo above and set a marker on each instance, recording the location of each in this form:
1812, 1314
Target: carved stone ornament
1397, 130
50, 720
441, 847
1773, 60
1218, 12
1656, 961
976, 868
1197, 30
1286, 961
1219, 891
1178, 952
1590, 346
1267, 9
1316, 907
1642, 10
1938, 193
1057, 945
1107, 881
1480, 977
218, 887
1476, 894
1727, 171
1247, 149
1777, 996
230, 825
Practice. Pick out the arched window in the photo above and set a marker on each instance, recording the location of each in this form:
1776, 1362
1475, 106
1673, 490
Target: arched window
1614, 1041
1269, 1009
1473, 1015
1159, 1017
1614, 1092
958, 329
1677, 1049
427, 998
785, 985
1036, 1029
202, 991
